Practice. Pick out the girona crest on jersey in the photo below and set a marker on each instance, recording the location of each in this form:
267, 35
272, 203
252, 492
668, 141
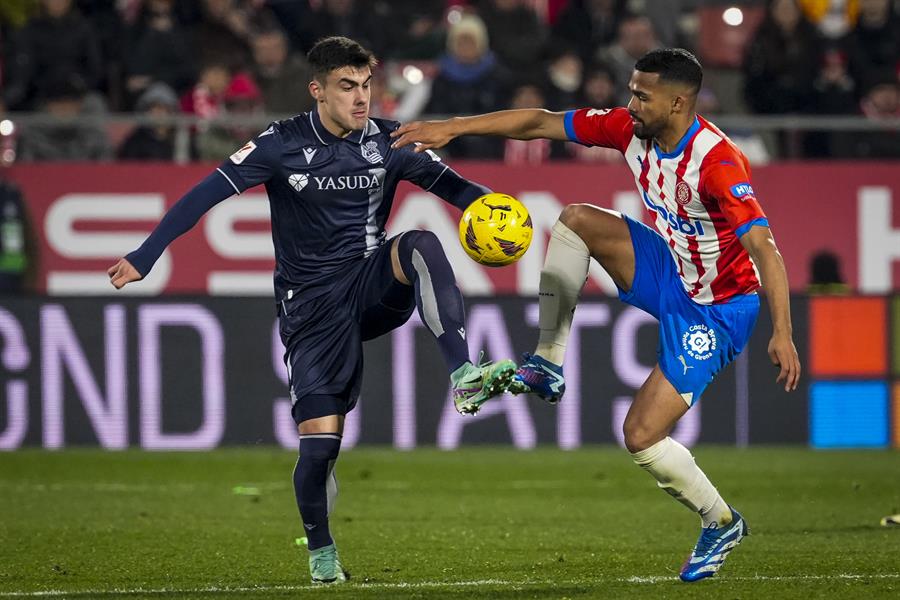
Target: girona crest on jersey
682, 193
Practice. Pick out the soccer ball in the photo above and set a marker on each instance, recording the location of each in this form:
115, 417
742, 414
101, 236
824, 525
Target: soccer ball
495, 230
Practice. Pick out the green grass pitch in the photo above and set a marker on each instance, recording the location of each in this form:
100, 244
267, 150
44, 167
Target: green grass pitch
475, 523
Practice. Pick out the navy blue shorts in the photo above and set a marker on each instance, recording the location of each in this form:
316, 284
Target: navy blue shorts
696, 341
323, 337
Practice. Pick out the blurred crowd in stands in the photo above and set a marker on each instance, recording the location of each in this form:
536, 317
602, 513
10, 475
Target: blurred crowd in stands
215, 58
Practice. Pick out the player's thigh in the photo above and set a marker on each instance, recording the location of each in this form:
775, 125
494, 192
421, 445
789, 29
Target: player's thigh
385, 302
656, 409
326, 424
607, 236
396, 267
393, 311
323, 358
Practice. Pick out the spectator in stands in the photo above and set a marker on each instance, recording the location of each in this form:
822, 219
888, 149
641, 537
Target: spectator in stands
223, 34
750, 142
58, 42
832, 18
635, 37
469, 81
881, 100
205, 97
782, 61
243, 99
874, 44
157, 141
516, 32
834, 93
294, 18
367, 23
526, 152
107, 23
564, 77
418, 29
599, 88
160, 51
282, 77
73, 137
588, 25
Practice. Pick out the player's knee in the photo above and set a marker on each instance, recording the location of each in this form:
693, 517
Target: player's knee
638, 436
320, 448
425, 243
576, 217
590, 222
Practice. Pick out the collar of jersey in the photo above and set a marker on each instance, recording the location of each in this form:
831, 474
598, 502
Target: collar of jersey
691, 132
326, 137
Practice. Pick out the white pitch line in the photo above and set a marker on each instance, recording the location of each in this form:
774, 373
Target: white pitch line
652, 579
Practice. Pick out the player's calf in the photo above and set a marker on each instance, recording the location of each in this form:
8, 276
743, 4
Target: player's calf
312, 473
438, 299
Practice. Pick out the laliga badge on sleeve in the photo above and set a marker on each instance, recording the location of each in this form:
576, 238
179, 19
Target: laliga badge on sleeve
239, 156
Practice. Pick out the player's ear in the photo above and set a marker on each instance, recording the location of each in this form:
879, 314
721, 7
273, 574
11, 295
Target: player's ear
316, 90
679, 103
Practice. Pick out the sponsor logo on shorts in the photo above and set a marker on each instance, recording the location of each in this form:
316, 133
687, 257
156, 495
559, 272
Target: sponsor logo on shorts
699, 341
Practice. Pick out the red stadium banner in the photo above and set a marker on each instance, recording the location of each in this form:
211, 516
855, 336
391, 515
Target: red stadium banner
87, 215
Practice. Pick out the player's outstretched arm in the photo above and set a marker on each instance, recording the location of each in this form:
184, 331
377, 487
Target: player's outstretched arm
762, 249
180, 218
520, 124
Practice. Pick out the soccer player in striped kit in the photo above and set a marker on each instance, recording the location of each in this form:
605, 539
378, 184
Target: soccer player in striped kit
697, 273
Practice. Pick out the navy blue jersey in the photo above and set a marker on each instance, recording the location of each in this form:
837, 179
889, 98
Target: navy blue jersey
330, 197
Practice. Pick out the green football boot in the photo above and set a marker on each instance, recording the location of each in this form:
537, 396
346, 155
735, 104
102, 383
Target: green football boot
475, 385
325, 566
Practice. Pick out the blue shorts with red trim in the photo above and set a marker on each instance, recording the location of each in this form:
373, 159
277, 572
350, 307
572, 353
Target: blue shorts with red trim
696, 341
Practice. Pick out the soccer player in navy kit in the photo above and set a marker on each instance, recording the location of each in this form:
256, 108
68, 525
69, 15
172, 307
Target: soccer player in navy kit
330, 176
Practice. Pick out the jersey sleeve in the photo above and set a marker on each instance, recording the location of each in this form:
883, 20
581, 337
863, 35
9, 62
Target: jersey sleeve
426, 170
606, 127
256, 162
725, 177
421, 168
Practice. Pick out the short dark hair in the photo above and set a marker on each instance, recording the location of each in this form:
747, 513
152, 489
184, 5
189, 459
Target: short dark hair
337, 52
673, 64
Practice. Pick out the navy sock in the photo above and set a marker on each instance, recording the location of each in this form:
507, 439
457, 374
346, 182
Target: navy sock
439, 301
318, 452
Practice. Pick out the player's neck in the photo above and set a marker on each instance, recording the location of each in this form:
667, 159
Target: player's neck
332, 126
668, 139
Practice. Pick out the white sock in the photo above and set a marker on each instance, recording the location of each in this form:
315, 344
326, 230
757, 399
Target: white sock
564, 273
675, 471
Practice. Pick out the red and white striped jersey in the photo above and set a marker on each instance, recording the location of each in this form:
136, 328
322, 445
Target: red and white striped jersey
700, 195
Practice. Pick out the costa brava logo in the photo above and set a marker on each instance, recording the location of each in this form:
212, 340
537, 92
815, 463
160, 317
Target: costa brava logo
699, 341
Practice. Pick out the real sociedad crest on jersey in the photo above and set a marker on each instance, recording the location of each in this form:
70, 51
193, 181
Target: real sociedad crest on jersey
370, 152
